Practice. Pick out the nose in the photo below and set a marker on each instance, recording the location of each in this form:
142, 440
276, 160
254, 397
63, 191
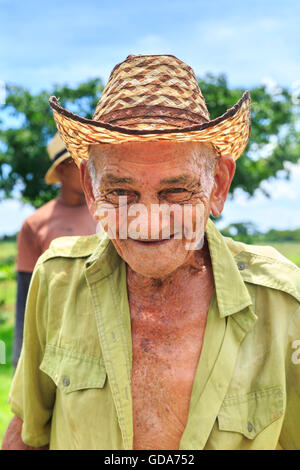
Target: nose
149, 220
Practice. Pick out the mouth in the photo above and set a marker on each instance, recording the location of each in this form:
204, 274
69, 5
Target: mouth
154, 242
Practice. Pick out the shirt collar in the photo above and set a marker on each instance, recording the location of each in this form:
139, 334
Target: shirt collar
104, 259
231, 292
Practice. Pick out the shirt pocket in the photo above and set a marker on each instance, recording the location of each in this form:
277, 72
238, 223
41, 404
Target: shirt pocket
250, 413
71, 371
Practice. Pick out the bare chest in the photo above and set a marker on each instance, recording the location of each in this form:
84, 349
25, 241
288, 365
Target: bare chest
166, 349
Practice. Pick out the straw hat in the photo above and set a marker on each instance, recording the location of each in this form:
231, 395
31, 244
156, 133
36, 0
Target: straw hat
153, 98
57, 153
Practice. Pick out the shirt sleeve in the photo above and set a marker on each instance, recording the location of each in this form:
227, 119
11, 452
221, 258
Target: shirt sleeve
32, 393
28, 249
290, 435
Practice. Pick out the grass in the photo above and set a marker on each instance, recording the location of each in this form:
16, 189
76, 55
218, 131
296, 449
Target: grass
7, 249
7, 314
6, 335
290, 250
6, 374
7, 317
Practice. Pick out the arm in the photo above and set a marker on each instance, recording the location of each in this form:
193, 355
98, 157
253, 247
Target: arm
28, 251
23, 281
12, 439
32, 394
290, 433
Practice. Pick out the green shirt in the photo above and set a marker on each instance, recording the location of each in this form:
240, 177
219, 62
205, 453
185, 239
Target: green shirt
72, 384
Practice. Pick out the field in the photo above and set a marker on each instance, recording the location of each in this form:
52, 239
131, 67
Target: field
289, 249
7, 313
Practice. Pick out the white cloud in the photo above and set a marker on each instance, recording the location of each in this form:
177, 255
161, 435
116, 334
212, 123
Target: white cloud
246, 50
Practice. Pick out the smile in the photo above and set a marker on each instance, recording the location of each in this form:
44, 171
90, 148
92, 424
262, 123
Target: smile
153, 242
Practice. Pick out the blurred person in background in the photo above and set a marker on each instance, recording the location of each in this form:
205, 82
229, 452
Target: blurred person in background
67, 214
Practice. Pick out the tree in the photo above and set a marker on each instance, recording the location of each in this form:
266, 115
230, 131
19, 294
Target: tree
242, 231
23, 154
274, 139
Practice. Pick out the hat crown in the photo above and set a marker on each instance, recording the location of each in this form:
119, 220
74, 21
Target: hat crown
145, 91
152, 98
55, 147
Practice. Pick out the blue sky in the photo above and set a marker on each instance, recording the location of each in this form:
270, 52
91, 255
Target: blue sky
254, 41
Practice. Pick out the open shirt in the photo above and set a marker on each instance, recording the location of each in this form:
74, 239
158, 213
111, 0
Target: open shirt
72, 386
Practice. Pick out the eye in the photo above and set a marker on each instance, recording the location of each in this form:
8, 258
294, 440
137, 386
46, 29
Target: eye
175, 195
115, 195
177, 190
119, 192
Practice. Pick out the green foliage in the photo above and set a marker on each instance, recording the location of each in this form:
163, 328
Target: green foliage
247, 232
241, 231
7, 277
7, 263
6, 238
7, 248
274, 140
24, 159
6, 374
7, 272
23, 154
7, 315
282, 235
290, 250
287, 242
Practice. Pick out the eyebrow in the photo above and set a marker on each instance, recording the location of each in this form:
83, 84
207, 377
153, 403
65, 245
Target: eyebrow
110, 178
180, 179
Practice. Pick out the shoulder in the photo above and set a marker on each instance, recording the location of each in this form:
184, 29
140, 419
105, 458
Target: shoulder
265, 266
70, 247
39, 215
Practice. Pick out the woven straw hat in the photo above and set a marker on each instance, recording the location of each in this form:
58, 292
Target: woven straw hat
57, 153
153, 98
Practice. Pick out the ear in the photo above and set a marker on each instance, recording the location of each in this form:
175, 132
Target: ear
86, 183
224, 172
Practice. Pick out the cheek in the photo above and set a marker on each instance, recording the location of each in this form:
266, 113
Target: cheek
197, 210
75, 174
107, 215
114, 220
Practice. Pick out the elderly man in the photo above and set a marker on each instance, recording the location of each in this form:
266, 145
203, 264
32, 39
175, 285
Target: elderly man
162, 334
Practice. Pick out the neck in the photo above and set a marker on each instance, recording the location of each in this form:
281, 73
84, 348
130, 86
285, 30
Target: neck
71, 198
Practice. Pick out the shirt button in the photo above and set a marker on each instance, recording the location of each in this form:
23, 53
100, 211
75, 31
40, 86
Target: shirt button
241, 266
66, 381
250, 426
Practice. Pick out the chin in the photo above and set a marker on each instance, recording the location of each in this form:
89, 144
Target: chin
155, 262
154, 268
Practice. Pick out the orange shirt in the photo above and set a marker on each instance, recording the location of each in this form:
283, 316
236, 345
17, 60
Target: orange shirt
50, 221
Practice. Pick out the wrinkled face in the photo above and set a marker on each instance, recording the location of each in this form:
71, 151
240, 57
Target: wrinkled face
153, 199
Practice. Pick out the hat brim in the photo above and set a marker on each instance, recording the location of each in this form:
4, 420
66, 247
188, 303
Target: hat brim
229, 133
51, 177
